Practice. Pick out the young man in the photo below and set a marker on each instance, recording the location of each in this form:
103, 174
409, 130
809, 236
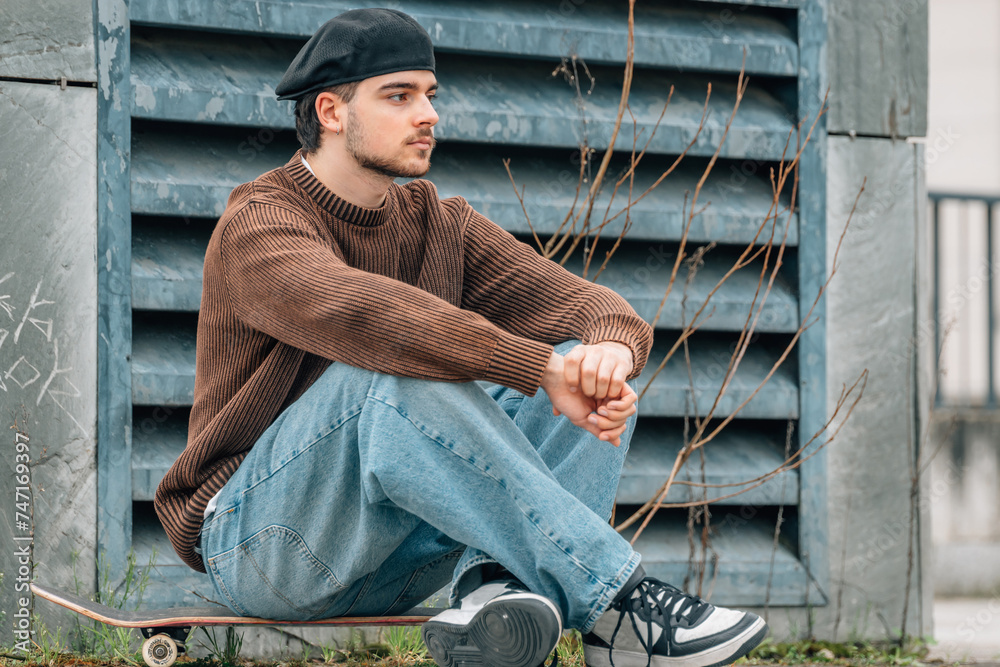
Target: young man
367, 423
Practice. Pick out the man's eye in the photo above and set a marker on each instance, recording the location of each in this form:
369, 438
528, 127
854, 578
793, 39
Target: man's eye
398, 97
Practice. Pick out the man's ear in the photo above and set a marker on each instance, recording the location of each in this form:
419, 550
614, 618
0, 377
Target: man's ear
331, 112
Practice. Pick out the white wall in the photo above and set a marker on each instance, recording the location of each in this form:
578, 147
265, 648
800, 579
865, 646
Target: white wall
963, 137
963, 155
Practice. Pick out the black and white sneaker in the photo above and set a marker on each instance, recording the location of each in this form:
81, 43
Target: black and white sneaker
500, 624
657, 625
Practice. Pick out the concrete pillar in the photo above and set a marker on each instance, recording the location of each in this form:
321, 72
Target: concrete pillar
48, 295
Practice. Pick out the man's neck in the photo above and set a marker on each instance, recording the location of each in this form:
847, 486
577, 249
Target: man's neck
348, 181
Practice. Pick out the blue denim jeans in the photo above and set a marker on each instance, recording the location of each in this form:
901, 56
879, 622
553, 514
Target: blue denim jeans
371, 491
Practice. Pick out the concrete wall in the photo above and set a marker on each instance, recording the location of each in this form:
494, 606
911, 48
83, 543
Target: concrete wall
48, 329
872, 460
878, 86
878, 100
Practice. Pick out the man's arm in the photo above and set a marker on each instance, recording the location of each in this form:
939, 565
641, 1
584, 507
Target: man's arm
284, 280
513, 286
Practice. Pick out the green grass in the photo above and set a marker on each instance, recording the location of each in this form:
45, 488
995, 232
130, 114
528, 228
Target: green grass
855, 654
402, 647
98, 640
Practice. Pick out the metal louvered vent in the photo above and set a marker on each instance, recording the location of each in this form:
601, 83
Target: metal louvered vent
204, 119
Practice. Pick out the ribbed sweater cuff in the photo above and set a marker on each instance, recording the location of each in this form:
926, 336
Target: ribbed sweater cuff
618, 335
519, 363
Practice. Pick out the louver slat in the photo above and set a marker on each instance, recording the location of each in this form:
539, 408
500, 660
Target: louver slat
734, 457
163, 374
167, 262
182, 78
684, 35
173, 581
155, 447
791, 4
744, 559
730, 458
193, 174
162, 363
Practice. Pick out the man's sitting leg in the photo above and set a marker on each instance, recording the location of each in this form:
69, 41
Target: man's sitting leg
692, 633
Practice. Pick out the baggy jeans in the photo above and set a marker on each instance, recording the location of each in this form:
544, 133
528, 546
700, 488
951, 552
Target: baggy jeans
371, 491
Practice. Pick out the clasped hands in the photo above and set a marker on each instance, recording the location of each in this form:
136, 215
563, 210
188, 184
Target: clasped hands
588, 386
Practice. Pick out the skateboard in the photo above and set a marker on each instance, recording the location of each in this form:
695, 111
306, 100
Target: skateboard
166, 630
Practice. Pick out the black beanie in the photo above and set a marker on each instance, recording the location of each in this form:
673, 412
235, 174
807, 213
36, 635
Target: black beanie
356, 45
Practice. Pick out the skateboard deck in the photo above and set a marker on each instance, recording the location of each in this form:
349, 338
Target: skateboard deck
166, 629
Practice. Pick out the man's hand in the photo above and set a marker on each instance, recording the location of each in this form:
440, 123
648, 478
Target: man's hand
599, 371
605, 418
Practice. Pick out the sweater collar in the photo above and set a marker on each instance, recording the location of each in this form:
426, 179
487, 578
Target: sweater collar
336, 206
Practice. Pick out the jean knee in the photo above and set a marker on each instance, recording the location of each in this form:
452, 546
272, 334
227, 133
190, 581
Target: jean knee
566, 346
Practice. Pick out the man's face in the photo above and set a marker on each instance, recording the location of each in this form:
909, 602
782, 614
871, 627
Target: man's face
390, 126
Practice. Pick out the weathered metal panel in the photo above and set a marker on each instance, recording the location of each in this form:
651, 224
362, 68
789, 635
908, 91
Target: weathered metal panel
48, 39
878, 67
163, 361
48, 329
183, 78
814, 542
218, 92
683, 37
114, 307
674, 394
731, 458
167, 261
160, 437
175, 580
760, 3
745, 565
640, 273
194, 174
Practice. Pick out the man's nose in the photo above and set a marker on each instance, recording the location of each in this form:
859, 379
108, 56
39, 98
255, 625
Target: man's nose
428, 114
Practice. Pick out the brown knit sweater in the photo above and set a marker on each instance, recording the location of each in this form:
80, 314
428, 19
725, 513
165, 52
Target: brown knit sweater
296, 277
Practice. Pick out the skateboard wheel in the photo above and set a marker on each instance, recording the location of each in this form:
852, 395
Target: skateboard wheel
159, 651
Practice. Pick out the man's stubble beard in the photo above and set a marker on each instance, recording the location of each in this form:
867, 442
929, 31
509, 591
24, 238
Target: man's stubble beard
356, 134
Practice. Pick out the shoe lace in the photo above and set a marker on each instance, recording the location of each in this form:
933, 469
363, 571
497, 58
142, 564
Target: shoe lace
649, 599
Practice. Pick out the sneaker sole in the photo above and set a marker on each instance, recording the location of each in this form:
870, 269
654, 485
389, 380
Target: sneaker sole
723, 654
507, 633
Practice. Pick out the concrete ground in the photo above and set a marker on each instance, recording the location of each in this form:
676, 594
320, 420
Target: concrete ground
967, 630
